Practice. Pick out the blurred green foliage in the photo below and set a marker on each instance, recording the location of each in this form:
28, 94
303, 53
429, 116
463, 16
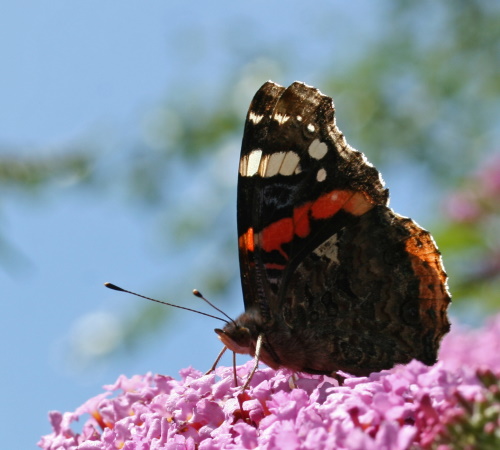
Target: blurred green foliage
32, 172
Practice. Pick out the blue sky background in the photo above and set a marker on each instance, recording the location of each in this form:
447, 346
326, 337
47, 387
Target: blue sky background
92, 72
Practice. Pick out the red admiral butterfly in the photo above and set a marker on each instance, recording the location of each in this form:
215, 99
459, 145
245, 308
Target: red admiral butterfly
332, 278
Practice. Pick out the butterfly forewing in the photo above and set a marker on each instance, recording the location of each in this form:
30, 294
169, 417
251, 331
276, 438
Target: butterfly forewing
296, 174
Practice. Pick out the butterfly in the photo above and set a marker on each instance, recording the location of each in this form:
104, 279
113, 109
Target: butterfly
332, 278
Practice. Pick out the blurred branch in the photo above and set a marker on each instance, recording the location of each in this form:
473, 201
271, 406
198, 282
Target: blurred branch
30, 172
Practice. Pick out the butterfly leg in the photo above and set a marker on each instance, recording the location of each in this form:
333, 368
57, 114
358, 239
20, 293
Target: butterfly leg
214, 365
340, 379
258, 347
234, 370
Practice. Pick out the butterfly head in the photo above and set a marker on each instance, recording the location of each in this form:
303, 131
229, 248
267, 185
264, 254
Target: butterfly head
240, 335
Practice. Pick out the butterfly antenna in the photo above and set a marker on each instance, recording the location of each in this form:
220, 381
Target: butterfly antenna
117, 288
198, 294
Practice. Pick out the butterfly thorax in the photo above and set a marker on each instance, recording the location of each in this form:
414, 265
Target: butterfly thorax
281, 345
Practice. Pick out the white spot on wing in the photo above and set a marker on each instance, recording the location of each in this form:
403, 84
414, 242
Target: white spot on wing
273, 164
243, 166
281, 118
255, 118
253, 162
299, 118
263, 165
317, 149
311, 128
334, 197
290, 163
329, 250
321, 175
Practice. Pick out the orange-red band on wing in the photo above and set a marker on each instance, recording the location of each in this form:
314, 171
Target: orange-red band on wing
271, 266
276, 234
329, 204
301, 220
283, 231
247, 241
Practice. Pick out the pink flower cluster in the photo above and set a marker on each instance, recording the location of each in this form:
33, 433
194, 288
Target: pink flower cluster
454, 404
478, 199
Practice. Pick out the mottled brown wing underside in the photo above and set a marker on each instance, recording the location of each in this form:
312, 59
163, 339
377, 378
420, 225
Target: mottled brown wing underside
370, 297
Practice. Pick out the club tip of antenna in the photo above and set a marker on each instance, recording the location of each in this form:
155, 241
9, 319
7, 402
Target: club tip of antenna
197, 293
113, 286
